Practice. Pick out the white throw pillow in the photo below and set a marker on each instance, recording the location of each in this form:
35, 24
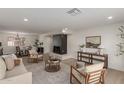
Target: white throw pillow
9, 62
14, 56
94, 67
2, 68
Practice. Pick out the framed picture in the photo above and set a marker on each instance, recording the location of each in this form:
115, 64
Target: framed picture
93, 41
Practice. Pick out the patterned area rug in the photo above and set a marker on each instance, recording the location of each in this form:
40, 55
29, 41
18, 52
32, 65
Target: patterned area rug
40, 76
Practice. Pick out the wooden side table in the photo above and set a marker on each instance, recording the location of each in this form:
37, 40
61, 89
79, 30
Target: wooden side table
16, 62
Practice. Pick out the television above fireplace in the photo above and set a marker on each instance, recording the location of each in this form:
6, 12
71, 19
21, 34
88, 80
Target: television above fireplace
60, 44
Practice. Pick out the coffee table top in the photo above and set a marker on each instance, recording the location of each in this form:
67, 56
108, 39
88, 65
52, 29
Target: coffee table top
54, 60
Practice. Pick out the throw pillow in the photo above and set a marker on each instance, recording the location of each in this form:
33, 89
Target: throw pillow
14, 56
94, 67
9, 62
2, 68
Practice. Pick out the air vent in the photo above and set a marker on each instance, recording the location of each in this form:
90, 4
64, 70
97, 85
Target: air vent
74, 11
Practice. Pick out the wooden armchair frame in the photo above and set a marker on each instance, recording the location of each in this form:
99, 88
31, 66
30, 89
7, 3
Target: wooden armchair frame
31, 55
89, 77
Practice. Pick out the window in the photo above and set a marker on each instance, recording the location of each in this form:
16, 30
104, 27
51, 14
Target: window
10, 41
16, 41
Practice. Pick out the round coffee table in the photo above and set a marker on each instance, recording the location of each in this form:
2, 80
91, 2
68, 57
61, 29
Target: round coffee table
54, 65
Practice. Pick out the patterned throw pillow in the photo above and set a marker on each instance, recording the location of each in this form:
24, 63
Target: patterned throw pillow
2, 68
9, 62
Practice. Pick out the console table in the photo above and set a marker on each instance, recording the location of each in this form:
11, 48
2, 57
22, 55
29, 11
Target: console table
90, 58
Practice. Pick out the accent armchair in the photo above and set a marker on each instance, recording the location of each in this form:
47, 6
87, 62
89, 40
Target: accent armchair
33, 54
92, 74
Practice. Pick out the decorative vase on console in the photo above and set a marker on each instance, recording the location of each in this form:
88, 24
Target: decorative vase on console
98, 51
81, 47
102, 49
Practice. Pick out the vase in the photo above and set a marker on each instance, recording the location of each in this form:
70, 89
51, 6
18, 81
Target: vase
81, 49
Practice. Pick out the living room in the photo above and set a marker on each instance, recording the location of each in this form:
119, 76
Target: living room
71, 38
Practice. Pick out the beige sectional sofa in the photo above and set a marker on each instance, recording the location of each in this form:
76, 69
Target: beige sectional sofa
18, 75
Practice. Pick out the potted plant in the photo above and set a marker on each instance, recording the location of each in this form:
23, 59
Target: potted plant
38, 43
81, 47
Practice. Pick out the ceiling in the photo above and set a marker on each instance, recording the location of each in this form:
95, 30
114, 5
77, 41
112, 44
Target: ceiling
43, 20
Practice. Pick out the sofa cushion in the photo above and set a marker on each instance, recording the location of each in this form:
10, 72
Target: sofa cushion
94, 67
2, 68
9, 62
25, 78
18, 70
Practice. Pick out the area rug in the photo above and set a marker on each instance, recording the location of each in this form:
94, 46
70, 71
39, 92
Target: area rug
40, 76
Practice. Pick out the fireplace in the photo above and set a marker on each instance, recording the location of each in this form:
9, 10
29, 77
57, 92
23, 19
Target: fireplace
60, 44
56, 49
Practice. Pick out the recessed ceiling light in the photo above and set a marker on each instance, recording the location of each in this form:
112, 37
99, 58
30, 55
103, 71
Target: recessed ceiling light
64, 30
25, 19
110, 17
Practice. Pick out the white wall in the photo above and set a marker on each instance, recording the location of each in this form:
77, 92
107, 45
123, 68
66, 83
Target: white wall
47, 42
109, 39
30, 39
